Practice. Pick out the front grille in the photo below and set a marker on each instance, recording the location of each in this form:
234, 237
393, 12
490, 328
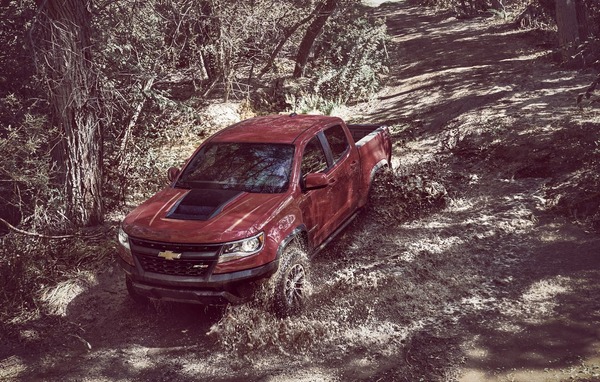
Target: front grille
178, 267
193, 260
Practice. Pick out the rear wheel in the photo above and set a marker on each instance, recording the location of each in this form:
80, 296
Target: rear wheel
380, 183
290, 284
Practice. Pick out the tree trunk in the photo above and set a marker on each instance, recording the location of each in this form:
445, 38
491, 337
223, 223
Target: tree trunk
311, 34
582, 20
74, 98
286, 36
568, 27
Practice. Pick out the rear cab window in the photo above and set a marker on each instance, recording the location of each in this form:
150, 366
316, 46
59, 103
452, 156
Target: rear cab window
338, 142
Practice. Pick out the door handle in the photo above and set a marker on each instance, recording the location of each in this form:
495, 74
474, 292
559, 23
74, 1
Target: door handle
353, 164
332, 180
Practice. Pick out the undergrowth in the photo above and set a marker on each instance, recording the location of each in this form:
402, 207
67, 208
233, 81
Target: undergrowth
33, 264
398, 195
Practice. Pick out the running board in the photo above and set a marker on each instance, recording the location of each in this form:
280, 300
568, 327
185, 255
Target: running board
335, 233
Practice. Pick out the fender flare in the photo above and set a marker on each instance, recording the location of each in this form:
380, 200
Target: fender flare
378, 167
296, 232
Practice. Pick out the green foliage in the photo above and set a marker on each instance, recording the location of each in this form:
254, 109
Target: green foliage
28, 193
348, 64
25, 139
471, 7
350, 58
159, 60
16, 66
310, 104
593, 15
503, 9
536, 14
30, 199
20, 275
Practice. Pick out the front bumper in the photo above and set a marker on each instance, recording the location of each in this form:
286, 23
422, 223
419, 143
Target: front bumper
218, 289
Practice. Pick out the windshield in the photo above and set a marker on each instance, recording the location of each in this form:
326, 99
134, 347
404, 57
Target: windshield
250, 167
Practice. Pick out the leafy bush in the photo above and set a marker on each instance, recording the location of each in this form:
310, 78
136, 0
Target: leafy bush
310, 104
29, 192
536, 14
464, 8
350, 58
159, 67
532, 13
162, 137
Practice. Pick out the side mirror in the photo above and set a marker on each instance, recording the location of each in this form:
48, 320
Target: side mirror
315, 181
172, 173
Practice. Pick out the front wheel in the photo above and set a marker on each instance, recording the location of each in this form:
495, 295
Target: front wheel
290, 284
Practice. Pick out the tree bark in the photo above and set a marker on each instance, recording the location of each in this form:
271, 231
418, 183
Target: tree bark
66, 61
582, 20
286, 36
568, 27
311, 34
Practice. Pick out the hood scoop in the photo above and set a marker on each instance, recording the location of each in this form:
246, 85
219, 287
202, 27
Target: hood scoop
201, 204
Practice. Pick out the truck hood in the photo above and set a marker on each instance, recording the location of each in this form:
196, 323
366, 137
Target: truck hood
202, 216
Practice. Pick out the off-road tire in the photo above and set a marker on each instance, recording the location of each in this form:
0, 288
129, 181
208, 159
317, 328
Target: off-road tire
377, 187
290, 284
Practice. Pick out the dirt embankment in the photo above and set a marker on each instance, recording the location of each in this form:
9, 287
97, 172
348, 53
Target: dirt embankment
494, 286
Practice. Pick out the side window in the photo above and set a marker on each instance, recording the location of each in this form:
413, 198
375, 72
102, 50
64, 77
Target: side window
313, 159
337, 141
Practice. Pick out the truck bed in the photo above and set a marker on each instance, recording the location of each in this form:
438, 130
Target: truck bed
361, 133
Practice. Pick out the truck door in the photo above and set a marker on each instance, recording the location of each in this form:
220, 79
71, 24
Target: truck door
327, 208
314, 204
344, 175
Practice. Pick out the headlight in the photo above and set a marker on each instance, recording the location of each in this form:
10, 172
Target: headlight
123, 238
240, 249
125, 249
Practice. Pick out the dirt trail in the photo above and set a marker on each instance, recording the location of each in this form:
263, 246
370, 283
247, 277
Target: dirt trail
462, 85
493, 287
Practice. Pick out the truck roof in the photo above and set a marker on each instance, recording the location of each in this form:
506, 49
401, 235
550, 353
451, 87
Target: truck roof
272, 128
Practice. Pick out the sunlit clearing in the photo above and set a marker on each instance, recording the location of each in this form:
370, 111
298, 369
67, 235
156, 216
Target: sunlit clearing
560, 78
545, 290
538, 302
11, 368
57, 298
306, 375
526, 57
376, 3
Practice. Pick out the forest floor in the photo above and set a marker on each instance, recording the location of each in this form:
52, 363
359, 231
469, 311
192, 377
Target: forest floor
496, 285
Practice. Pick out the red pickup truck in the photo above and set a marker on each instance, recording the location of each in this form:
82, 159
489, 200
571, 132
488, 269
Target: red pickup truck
249, 208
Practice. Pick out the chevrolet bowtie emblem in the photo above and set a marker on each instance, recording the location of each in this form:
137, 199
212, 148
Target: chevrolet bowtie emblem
169, 255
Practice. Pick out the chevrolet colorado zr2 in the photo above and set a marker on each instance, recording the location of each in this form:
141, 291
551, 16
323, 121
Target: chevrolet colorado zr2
250, 207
